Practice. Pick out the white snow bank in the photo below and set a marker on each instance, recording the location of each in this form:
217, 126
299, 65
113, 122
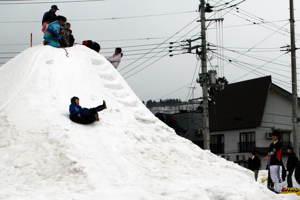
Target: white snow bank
129, 154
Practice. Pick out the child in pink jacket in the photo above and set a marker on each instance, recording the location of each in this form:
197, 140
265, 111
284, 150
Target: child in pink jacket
116, 58
45, 26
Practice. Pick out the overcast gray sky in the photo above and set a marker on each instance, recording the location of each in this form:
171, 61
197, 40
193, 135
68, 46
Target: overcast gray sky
250, 37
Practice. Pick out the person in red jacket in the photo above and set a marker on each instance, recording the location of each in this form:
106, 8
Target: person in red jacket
92, 45
171, 121
275, 162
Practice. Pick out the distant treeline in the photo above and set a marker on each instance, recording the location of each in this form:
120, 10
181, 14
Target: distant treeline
165, 102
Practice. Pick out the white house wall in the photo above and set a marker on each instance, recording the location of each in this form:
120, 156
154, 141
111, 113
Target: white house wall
231, 143
277, 114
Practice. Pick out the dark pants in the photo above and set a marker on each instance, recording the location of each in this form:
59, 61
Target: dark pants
255, 174
98, 108
91, 113
289, 179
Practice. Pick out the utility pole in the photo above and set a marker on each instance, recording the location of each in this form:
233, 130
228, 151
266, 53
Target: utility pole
204, 72
207, 79
294, 82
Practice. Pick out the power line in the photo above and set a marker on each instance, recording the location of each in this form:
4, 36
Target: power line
154, 49
256, 44
146, 66
254, 71
139, 16
174, 91
51, 2
147, 61
284, 64
261, 20
110, 18
191, 87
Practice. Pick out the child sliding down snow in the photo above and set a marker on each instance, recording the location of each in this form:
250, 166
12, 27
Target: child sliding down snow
89, 113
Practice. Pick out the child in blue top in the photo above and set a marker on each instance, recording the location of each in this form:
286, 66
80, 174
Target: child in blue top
89, 113
53, 32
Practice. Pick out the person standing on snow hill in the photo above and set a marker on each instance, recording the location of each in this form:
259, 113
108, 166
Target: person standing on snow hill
53, 32
275, 164
171, 122
88, 113
116, 58
50, 15
291, 165
254, 163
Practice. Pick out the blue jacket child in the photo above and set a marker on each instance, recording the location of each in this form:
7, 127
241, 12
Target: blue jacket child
89, 113
53, 32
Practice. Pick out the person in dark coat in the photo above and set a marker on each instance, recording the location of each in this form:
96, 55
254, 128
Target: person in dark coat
275, 161
89, 113
50, 15
254, 163
92, 45
71, 38
291, 165
171, 122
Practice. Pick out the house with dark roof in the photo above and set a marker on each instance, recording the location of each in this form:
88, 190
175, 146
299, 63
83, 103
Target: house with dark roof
243, 116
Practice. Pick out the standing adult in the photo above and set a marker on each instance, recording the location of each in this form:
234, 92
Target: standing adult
291, 165
274, 153
53, 32
50, 15
254, 163
116, 58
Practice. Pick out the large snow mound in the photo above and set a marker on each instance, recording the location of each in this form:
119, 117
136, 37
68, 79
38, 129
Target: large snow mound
129, 154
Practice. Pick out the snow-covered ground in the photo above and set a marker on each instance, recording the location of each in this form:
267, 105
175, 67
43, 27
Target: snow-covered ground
128, 155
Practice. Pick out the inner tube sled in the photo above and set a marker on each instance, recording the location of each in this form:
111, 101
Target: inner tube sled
81, 120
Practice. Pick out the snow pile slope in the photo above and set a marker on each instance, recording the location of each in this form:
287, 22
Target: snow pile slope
129, 154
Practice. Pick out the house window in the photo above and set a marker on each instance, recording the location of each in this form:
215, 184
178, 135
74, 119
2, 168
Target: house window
247, 141
286, 140
217, 143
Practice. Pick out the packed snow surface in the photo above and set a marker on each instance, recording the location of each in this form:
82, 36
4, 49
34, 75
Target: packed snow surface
128, 155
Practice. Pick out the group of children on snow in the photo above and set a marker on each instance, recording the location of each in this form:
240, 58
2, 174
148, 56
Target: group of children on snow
57, 33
